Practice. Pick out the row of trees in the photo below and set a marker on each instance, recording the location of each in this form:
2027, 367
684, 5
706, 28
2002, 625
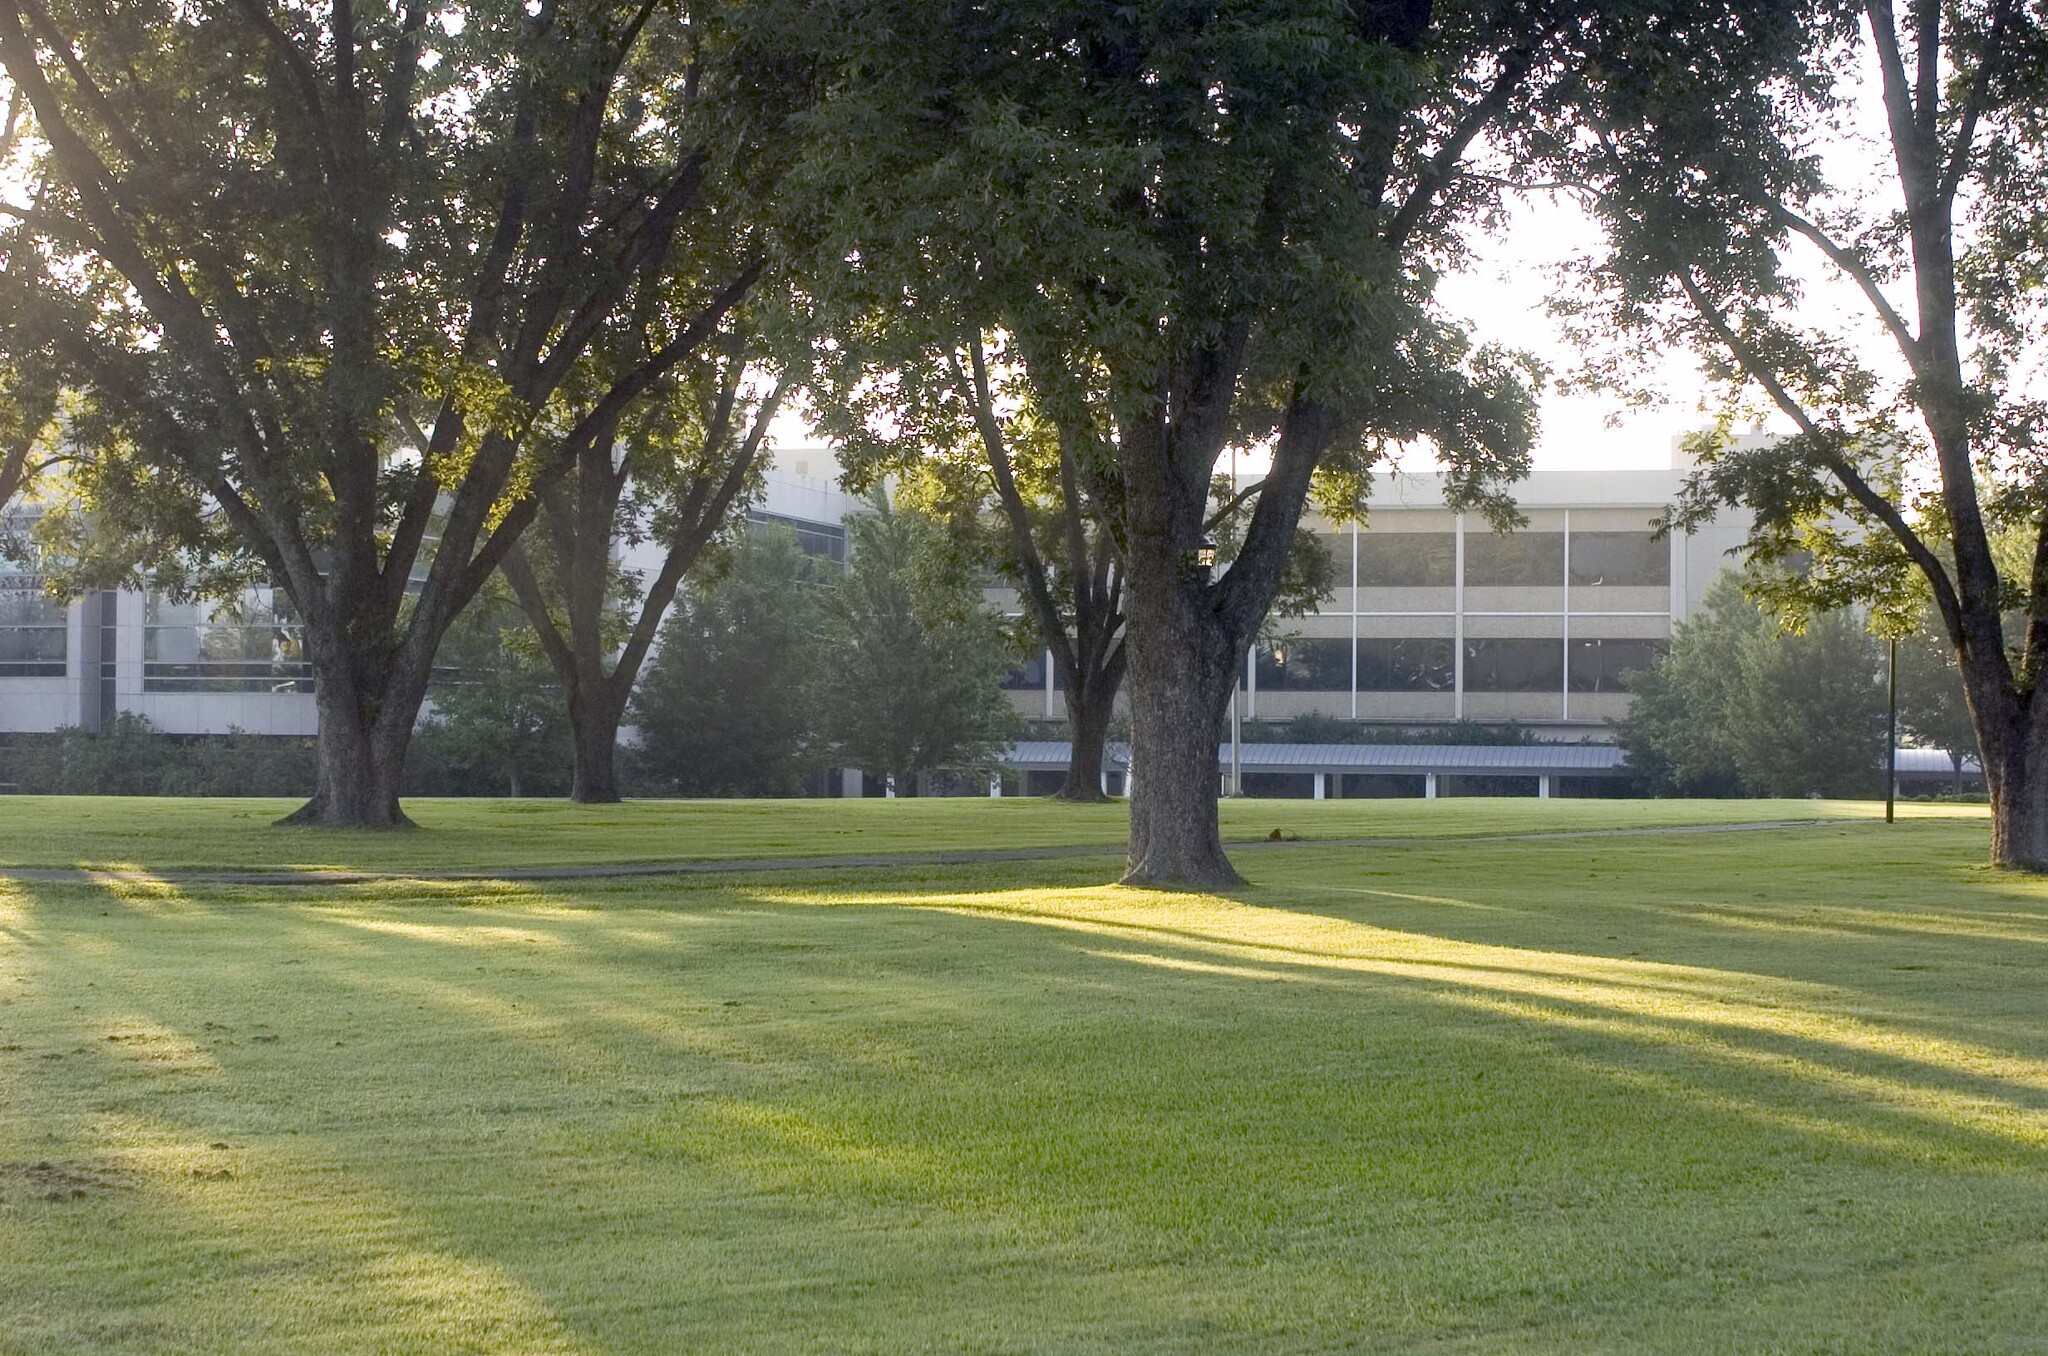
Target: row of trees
772, 666
350, 294
1740, 707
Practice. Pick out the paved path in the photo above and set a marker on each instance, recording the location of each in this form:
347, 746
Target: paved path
76, 874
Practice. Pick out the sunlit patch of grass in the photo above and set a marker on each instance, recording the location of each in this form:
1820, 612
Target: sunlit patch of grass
142, 835
1707, 1092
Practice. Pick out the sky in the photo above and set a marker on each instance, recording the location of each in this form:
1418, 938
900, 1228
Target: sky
1503, 298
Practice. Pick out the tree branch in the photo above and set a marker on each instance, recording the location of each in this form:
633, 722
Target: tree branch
1442, 168
303, 79
1972, 103
1851, 479
974, 388
1237, 501
1907, 148
684, 553
1859, 273
1246, 592
533, 601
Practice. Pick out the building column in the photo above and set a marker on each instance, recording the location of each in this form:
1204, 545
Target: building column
1543, 786
1320, 785
1429, 786
995, 787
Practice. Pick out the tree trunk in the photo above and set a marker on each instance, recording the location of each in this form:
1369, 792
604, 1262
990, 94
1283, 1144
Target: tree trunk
2018, 785
594, 726
1088, 714
1183, 668
359, 762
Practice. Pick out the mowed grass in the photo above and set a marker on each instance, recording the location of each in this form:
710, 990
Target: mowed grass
1781, 1090
491, 835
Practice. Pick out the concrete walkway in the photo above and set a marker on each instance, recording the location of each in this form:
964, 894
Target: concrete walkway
59, 875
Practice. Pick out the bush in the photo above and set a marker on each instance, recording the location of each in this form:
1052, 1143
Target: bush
131, 757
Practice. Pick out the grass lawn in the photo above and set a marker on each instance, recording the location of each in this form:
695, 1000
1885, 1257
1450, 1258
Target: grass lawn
120, 831
1718, 1092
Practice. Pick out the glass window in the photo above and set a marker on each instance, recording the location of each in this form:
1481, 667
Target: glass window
1518, 665
32, 629
1517, 560
1620, 558
1405, 664
1407, 560
1305, 666
820, 541
1026, 677
252, 644
1602, 665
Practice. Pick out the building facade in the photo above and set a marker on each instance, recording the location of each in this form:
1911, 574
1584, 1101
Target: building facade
211, 667
1434, 618
1437, 618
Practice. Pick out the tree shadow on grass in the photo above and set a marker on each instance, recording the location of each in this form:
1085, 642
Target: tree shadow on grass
974, 1098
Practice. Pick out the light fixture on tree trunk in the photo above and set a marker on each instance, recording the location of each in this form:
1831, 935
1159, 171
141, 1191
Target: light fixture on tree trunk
1205, 558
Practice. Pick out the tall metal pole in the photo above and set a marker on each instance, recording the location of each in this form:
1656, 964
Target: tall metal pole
1237, 730
1237, 684
1891, 735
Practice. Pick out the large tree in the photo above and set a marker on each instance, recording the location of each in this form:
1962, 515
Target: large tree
728, 703
1838, 207
962, 419
673, 477
1741, 706
328, 277
971, 438
911, 657
1201, 227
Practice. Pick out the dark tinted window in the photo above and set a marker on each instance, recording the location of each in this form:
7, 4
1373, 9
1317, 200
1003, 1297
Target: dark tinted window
1305, 666
1405, 560
1620, 558
1514, 665
1518, 560
1027, 677
1405, 664
820, 541
1601, 665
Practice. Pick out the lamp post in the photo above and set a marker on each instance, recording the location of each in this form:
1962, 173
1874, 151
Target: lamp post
1237, 727
1891, 733
1205, 570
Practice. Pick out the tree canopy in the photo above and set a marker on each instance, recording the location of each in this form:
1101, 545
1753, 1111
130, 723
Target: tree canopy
913, 657
726, 706
1196, 228
1741, 707
339, 287
1837, 207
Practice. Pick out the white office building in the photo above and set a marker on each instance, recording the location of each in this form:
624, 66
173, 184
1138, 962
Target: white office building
1435, 617
212, 667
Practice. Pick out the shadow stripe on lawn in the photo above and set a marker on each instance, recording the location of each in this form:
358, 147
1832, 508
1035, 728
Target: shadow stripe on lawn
53, 875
